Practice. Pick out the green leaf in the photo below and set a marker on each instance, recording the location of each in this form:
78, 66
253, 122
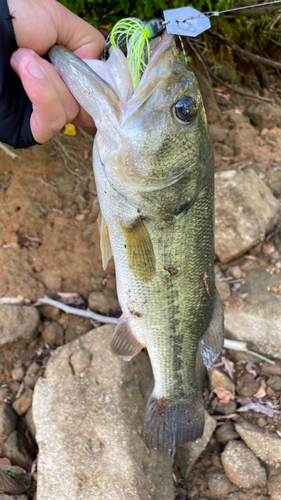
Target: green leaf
13, 479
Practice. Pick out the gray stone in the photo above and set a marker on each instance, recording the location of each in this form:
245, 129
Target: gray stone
217, 133
226, 432
274, 382
234, 272
50, 312
18, 325
264, 115
24, 402
257, 320
103, 302
8, 421
245, 210
218, 378
246, 385
226, 408
274, 486
187, 455
32, 374
273, 180
89, 428
80, 359
53, 333
218, 483
18, 372
241, 465
16, 453
266, 445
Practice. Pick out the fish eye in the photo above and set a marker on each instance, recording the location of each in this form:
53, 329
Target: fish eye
185, 109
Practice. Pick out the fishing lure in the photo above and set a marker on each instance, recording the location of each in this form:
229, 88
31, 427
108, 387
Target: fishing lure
133, 37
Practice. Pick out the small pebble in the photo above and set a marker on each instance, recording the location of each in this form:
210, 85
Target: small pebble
24, 402
8, 421
53, 333
261, 421
50, 312
80, 360
223, 289
32, 374
218, 483
103, 302
80, 217
226, 408
242, 466
246, 385
218, 378
18, 372
234, 272
274, 383
226, 432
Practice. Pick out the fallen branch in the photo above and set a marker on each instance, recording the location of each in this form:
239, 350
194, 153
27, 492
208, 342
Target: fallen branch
8, 151
78, 312
237, 345
245, 54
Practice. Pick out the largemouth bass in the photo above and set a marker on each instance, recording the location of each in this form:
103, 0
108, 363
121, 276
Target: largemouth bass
154, 173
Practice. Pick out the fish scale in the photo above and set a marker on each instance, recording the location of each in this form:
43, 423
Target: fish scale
154, 174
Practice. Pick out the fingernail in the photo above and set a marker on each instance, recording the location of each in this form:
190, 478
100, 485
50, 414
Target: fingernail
35, 70
20, 54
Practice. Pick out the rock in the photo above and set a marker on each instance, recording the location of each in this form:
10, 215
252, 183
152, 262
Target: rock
264, 115
226, 408
18, 325
269, 369
245, 210
53, 333
30, 422
52, 280
218, 483
80, 359
273, 180
103, 302
34, 371
213, 111
241, 465
24, 402
8, 421
217, 134
274, 486
88, 429
217, 378
246, 385
226, 432
223, 289
16, 453
50, 312
258, 319
18, 372
274, 382
223, 149
236, 119
187, 455
76, 327
234, 272
266, 445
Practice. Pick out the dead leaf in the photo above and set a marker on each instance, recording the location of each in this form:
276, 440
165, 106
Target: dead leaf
223, 395
261, 392
260, 408
251, 368
229, 367
71, 298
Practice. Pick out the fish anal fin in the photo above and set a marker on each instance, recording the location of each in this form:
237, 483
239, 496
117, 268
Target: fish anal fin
169, 424
123, 342
140, 253
105, 246
212, 341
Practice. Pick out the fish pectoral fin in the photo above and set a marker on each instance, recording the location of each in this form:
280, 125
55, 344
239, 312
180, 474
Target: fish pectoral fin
140, 253
123, 342
105, 246
212, 341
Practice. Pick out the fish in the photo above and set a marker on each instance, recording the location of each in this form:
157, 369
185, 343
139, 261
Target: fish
154, 173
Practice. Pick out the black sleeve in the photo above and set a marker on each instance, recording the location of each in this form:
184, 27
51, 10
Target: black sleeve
15, 107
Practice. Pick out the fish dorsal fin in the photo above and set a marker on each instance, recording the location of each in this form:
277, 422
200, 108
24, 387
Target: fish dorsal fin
140, 253
123, 342
212, 341
105, 246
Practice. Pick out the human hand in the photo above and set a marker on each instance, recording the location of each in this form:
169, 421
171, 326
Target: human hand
38, 25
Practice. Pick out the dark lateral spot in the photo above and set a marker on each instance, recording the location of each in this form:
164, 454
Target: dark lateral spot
171, 269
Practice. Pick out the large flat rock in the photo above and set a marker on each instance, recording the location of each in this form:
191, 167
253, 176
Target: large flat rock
257, 320
88, 412
245, 210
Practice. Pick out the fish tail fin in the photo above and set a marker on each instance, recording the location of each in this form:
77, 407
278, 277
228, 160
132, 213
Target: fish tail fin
168, 424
